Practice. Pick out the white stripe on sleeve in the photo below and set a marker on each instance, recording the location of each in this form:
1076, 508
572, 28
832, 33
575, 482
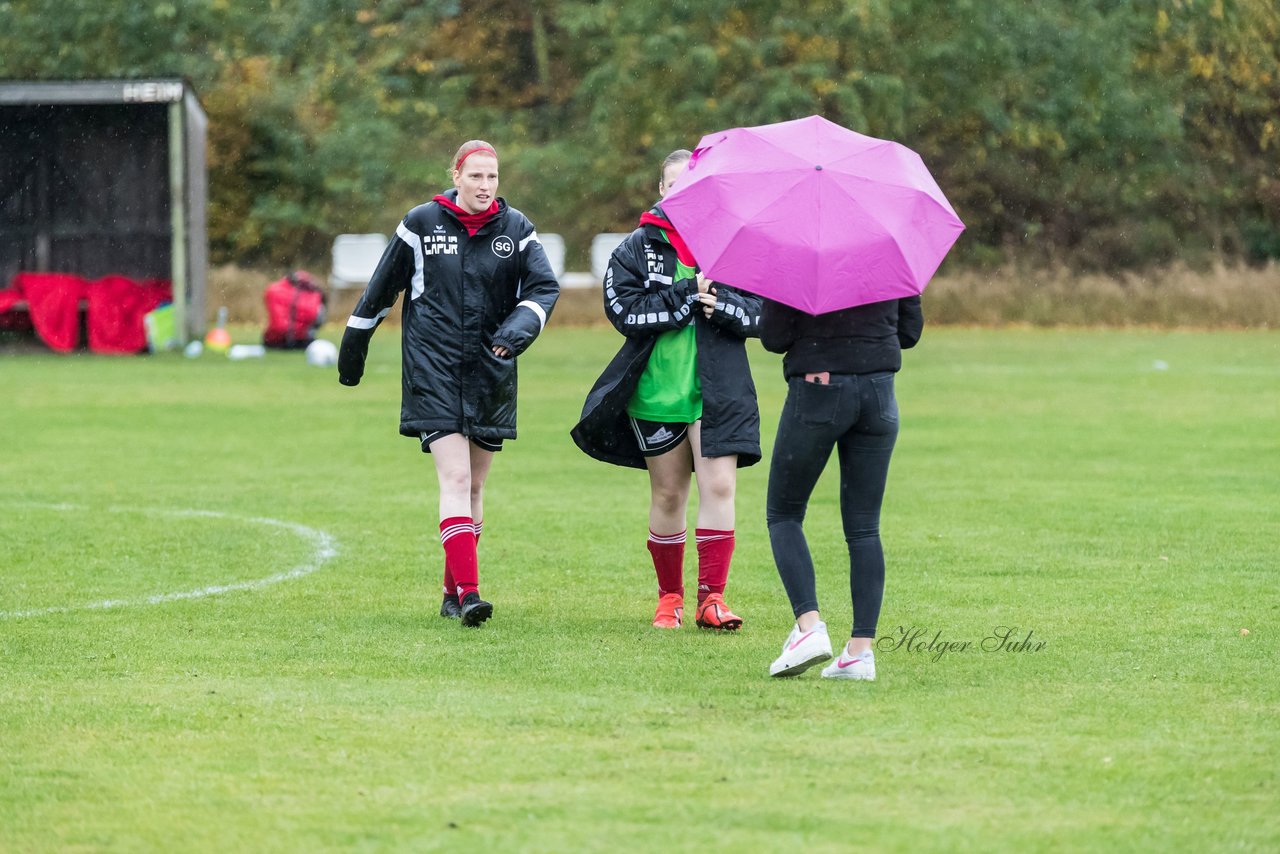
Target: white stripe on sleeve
532, 238
415, 243
366, 322
536, 309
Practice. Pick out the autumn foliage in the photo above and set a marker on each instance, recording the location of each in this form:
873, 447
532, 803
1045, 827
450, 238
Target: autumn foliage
1097, 135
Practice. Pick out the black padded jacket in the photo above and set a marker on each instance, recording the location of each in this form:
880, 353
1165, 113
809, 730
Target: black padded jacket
866, 339
642, 300
464, 294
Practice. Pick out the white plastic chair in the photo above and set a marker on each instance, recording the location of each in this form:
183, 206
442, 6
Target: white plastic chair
602, 246
553, 245
355, 257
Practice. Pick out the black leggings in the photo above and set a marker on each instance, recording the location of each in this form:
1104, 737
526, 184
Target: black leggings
858, 415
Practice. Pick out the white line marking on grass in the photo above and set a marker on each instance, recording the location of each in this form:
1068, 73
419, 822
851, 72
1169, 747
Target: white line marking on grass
324, 547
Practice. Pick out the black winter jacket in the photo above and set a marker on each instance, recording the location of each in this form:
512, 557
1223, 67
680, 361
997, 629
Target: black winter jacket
642, 301
464, 295
865, 339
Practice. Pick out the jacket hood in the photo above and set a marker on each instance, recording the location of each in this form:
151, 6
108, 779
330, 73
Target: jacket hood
655, 216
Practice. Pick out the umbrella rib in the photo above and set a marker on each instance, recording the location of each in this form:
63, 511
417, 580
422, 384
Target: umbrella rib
791, 155
745, 215
888, 181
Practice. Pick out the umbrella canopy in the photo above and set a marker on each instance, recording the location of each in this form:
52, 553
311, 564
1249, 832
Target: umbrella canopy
812, 214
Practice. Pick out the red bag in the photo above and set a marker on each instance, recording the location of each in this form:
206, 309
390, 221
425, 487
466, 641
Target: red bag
295, 310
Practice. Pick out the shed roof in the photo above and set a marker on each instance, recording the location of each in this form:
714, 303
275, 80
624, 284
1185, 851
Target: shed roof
158, 90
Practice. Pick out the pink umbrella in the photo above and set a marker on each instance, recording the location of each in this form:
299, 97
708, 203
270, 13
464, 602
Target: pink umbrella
812, 215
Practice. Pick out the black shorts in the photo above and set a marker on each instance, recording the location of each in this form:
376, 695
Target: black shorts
494, 445
657, 437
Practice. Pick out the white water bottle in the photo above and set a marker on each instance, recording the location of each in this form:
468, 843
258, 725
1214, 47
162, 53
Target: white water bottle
246, 351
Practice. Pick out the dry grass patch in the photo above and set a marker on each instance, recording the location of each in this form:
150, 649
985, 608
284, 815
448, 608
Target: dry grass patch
1177, 296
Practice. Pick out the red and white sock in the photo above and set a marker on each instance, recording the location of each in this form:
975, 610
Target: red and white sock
450, 586
668, 561
458, 537
715, 550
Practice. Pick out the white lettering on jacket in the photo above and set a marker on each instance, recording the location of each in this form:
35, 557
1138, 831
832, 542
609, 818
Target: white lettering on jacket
440, 244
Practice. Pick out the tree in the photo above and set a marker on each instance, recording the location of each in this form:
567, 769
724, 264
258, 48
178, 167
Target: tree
1098, 133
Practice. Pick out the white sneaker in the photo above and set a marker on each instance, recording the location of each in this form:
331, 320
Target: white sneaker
860, 666
801, 651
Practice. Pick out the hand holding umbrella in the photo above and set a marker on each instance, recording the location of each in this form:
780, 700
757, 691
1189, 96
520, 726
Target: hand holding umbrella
706, 295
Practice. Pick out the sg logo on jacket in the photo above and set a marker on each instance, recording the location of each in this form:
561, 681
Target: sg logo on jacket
503, 246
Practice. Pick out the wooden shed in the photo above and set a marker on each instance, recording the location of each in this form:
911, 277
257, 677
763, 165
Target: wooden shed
102, 177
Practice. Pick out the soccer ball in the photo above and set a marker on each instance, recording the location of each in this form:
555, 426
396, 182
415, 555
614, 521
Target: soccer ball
322, 354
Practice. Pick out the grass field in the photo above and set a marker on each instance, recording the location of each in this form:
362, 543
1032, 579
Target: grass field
218, 584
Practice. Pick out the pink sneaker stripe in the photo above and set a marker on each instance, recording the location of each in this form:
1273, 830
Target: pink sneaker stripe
800, 639
842, 664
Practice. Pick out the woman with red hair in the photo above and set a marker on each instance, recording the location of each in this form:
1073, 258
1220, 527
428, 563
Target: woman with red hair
478, 289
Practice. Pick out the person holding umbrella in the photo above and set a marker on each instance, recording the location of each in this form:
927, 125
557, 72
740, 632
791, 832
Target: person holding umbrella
678, 398
840, 369
840, 232
478, 290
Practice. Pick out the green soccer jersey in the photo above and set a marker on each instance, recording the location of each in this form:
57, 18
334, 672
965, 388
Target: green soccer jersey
669, 389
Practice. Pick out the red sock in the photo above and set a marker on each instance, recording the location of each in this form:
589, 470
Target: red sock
668, 561
715, 550
450, 586
459, 540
